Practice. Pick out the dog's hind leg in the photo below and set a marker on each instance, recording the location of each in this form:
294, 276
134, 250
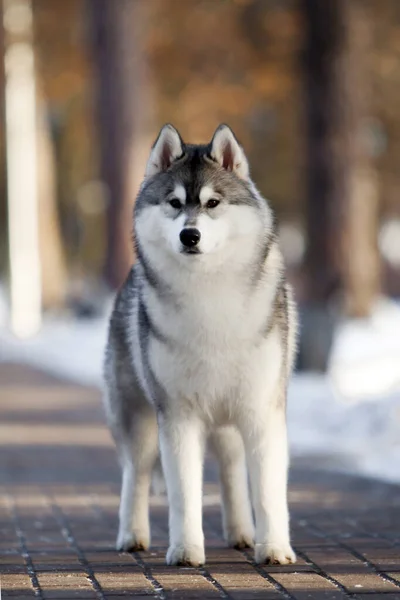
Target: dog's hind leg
236, 512
138, 453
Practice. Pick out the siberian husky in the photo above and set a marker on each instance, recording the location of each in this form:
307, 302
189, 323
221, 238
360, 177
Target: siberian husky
201, 346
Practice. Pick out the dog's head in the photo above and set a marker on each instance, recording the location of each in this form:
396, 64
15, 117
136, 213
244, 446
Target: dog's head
198, 200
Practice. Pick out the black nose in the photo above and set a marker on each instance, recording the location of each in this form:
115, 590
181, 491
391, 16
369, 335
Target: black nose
190, 237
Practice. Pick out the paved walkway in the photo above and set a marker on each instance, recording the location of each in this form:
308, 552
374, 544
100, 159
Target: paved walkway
58, 507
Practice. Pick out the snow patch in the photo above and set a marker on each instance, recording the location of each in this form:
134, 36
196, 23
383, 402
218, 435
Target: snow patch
365, 359
357, 437
70, 349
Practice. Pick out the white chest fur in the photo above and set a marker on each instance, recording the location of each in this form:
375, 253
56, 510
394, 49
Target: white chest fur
216, 357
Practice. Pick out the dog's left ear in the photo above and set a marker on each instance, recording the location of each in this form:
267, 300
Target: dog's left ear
226, 151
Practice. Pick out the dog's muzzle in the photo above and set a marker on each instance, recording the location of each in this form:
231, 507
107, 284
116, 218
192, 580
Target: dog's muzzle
190, 237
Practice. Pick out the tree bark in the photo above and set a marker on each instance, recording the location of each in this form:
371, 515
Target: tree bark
341, 201
122, 113
360, 255
3, 171
52, 255
327, 143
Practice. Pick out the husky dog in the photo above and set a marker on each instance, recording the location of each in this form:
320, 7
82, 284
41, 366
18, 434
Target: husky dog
201, 346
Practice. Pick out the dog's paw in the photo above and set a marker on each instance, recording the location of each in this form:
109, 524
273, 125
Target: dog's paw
274, 554
132, 541
239, 539
188, 556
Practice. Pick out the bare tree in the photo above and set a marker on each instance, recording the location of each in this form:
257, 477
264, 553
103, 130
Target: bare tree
52, 254
341, 201
360, 257
117, 29
115, 125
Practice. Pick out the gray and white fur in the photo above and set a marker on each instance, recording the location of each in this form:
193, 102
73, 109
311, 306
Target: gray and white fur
201, 346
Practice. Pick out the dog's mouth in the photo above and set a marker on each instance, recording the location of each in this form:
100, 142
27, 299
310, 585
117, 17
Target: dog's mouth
190, 251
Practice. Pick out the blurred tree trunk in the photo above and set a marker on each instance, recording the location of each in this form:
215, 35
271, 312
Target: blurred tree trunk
341, 208
117, 30
52, 257
3, 170
360, 255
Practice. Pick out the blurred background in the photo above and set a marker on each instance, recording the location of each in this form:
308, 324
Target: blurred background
312, 90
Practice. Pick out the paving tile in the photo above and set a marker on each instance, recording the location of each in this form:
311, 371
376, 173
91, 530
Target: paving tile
15, 581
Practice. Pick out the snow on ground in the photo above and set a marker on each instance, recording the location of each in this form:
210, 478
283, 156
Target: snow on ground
349, 419
365, 361
328, 430
70, 349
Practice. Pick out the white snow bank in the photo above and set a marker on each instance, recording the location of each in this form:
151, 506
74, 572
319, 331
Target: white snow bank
355, 437
70, 349
365, 359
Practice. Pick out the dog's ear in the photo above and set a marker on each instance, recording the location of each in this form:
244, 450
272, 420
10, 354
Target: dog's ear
167, 148
226, 151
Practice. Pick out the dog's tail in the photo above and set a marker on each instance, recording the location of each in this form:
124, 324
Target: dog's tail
158, 481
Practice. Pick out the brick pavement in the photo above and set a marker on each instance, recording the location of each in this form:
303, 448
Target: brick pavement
58, 517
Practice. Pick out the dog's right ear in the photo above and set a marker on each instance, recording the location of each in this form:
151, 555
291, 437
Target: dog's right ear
167, 148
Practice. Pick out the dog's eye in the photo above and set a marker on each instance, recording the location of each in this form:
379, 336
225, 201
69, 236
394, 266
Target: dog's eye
212, 203
175, 203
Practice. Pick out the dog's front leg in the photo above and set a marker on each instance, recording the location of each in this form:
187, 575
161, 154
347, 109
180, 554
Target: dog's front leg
267, 455
182, 452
